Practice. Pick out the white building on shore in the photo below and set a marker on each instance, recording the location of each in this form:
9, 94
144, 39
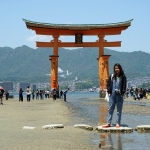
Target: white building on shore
7, 85
22, 85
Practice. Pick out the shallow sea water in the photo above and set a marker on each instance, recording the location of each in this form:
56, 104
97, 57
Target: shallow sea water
95, 114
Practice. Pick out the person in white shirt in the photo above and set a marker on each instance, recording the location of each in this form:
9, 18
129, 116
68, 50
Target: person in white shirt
47, 93
28, 92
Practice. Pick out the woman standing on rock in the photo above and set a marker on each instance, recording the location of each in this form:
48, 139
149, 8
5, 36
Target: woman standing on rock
116, 87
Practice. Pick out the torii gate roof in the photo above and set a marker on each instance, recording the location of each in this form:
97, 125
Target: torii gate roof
76, 26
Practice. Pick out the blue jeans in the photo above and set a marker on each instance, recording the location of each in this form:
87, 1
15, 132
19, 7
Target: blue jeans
115, 99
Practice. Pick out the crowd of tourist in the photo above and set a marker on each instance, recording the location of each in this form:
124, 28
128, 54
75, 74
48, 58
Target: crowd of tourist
138, 93
34, 94
42, 94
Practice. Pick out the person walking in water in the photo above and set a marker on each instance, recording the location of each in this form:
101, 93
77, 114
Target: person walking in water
21, 95
116, 87
1, 94
61, 94
64, 93
28, 91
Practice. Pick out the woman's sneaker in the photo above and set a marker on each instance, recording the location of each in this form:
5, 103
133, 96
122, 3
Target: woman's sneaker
117, 125
106, 126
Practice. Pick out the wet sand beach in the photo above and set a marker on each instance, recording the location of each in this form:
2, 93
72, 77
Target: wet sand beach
14, 115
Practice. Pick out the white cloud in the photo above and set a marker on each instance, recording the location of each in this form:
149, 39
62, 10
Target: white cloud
69, 23
72, 48
35, 37
61, 37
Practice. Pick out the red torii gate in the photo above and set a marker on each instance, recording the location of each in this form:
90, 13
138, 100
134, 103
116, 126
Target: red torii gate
78, 30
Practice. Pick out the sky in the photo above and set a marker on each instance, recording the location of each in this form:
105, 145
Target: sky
14, 33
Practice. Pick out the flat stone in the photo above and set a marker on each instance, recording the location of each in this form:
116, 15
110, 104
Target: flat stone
84, 126
123, 128
28, 127
52, 126
143, 128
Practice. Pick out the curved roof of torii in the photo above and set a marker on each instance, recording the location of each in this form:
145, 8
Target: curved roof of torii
77, 26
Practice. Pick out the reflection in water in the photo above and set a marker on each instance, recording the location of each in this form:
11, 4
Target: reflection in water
108, 140
119, 142
111, 141
103, 111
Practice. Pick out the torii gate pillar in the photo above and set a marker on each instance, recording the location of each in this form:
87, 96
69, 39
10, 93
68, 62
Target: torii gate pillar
101, 46
103, 64
54, 71
104, 71
55, 52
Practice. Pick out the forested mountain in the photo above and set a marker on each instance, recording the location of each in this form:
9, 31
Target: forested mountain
27, 64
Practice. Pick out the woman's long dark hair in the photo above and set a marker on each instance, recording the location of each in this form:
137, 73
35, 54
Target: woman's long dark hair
121, 71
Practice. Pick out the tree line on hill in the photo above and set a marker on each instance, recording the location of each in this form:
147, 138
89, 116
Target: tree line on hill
25, 64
